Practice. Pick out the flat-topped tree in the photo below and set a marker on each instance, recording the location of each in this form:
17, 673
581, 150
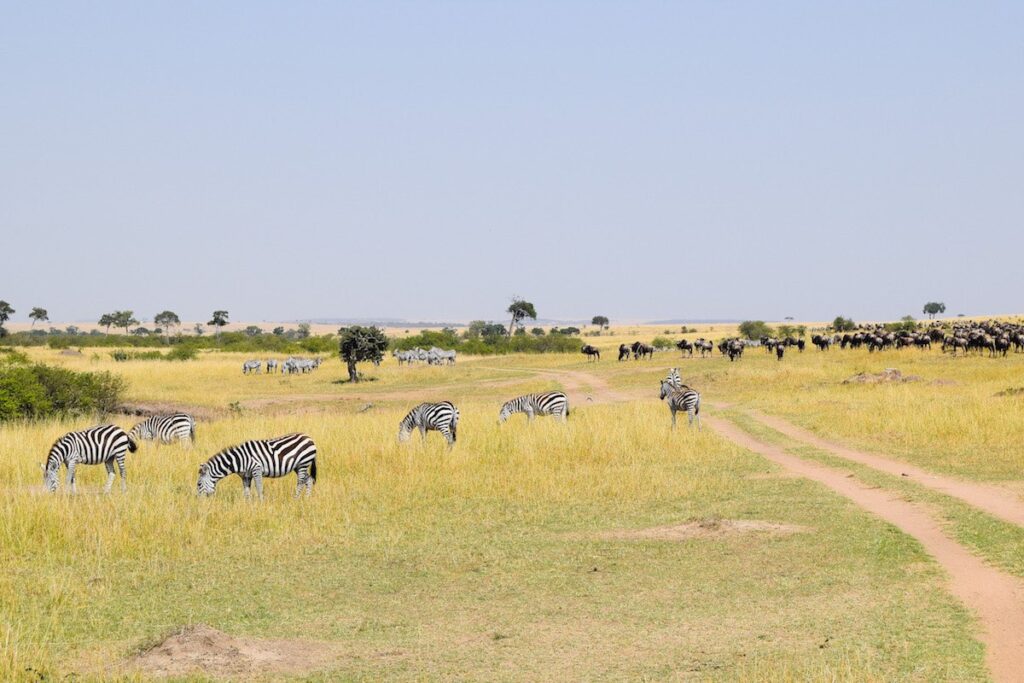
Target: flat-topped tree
601, 321
360, 344
124, 319
105, 321
38, 315
167, 320
933, 308
220, 319
520, 310
5, 314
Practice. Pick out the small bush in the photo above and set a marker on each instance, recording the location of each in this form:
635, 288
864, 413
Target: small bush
39, 391
662, 343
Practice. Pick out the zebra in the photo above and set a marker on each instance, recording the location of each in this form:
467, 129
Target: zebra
681, 398
106, 444
442, 417
674, 379
271, 366
166, 428
547, 403
254, 460
251, 366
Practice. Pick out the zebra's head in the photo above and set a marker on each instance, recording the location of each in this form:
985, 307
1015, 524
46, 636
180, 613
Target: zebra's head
206, 486
50, 475
403, 432
143, 430
506, 411
666, 389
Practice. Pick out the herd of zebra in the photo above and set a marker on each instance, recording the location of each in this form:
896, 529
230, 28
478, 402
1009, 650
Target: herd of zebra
259, 459
289, 366
433, 356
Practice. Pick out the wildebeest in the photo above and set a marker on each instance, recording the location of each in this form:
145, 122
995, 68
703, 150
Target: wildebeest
624, 351
591, 352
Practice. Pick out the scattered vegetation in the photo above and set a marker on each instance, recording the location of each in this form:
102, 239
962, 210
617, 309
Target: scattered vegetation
35, 390
755, 329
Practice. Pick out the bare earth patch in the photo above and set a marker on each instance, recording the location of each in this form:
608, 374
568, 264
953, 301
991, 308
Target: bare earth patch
704, 528
148, 409
201, 648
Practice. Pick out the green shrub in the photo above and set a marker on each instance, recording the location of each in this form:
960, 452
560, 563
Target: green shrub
39, 391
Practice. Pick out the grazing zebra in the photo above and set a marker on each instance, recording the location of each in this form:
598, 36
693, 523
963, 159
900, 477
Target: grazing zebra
547, 403
441, 417
681, 399
107, 444
591, 352
166, 428
250, 366
271, 366
254, 460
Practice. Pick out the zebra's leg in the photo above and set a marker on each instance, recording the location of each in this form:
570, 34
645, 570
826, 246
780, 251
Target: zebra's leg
423, 432
300, 480
110, 475
246, 481
124, 478
529, 416
673, 417
258, 479
448, 436
71, 475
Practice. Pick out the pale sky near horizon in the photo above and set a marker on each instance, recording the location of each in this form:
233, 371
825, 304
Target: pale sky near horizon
427, 160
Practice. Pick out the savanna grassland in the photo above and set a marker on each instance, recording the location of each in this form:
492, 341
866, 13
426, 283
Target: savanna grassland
526, 552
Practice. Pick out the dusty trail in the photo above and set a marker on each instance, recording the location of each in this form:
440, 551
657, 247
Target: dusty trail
996, 597
581, 387
995, 500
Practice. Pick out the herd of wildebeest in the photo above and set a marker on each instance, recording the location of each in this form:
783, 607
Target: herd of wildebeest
995, 337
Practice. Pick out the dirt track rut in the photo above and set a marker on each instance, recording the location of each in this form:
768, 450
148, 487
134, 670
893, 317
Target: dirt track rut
995, 500
996, 598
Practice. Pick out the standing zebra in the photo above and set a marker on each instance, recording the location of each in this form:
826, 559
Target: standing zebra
442, 417
106, 444
547, 403
681, 398
253, 460
166, 428
251, 366
271, 366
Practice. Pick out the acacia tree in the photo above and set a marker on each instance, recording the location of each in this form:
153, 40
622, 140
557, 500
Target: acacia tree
166, 320
105, 321
38, 315
520, 309
934, 307
360, 344
5, 314
601, 321
124, 319
841, 324
220, 319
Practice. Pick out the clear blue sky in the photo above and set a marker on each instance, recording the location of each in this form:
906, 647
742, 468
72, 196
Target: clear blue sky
427, 160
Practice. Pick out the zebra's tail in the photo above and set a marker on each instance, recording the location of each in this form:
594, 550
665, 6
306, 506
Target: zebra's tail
132, 446
192, 430
696, 406
312, 470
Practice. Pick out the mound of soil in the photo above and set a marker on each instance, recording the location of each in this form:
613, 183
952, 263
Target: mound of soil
203, 649
148, 409
704, 528
887, 375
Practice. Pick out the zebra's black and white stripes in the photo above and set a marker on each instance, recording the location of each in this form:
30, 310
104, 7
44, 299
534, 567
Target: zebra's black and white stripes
442, 417
106, 444
166, 428
547, 403
681, 398
254, 460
